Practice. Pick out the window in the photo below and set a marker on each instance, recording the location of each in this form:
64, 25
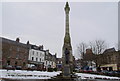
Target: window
8, 62
33, 52
18, 49
36, 59
46, 62
52, 63
15, 63
17, 56
40, 59
10, 49
23, 63
40, 54
32, 58
37, 53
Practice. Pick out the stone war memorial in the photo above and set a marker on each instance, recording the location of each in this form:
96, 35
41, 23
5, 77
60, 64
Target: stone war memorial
67, 57
67, 48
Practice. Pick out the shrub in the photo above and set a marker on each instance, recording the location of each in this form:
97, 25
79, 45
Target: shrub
54, 69
50, 69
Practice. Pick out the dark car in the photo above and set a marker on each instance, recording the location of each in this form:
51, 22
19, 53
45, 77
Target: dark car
113, 72
18, 67
105, 71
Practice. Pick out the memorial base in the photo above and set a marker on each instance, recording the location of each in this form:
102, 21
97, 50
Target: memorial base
66, 71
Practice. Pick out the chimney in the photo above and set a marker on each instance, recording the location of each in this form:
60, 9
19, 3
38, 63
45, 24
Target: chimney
42, 47
47, 51
89, 51
17, 40
28, 43
55, 54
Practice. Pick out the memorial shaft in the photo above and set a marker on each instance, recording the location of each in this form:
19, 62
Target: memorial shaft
67, 48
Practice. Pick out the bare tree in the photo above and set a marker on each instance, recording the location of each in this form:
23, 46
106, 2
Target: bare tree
81, 49
93, 46
98, 46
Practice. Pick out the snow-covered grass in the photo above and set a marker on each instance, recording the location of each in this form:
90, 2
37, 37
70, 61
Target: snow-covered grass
24, 74
93, 76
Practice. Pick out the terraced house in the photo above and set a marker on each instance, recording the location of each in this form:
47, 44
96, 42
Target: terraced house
36, 57
14, 54
17, 55
50, 60
109, 60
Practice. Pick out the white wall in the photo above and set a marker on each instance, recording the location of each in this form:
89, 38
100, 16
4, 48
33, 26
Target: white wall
36, 54
40, 55
52, 63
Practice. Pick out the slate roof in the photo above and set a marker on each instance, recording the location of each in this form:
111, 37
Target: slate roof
109, 50
5, 40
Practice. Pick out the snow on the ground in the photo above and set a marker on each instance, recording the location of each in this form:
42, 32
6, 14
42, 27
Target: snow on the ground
93, 76
24, 74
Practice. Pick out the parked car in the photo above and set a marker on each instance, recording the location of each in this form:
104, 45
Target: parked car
77, 69
113, 72
18, 67
9, 67
33, 68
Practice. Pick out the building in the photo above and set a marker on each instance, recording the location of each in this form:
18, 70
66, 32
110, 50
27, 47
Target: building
50, 60
109, 60
36, 57
54, 59
14, 54
59, 64
17, 55
40, 59
88, 61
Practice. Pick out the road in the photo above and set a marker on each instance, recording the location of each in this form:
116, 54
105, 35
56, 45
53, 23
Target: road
56, 80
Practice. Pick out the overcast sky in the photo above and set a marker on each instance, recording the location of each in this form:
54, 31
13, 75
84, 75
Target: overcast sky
43, 23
